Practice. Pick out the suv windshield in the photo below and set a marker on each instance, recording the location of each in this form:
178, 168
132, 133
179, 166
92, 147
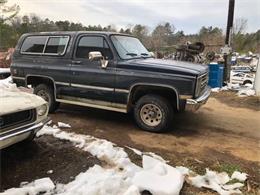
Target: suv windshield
129, 47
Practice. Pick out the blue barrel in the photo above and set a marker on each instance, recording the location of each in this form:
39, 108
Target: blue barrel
216, 75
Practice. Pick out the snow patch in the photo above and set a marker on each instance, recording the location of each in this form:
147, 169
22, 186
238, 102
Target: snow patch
158, 177
215, 90
239, 176
38, 186
138, 152
98, 180
125, 177
215, 181
242, 91
246, 92
63, 125
7, 83
4, 70
50, 172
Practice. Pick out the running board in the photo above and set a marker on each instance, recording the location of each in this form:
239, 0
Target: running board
94, 104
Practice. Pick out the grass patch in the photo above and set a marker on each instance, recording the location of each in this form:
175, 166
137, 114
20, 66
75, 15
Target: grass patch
228, 168
233, 181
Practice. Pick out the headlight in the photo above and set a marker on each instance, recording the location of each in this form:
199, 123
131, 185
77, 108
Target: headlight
42, 110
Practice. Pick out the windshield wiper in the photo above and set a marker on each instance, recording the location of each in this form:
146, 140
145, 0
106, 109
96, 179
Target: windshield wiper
144, 54
131, 54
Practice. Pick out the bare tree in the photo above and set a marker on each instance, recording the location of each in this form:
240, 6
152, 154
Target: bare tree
239, 29
162, 35
240, 26
7, 12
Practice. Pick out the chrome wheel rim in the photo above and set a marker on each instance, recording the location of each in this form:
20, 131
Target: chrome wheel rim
44, 95
151, 115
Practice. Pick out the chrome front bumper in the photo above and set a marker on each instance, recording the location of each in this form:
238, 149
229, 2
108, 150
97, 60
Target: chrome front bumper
21, 133
195, 104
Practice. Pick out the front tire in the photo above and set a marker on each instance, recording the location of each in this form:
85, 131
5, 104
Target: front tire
153, 113
46, 92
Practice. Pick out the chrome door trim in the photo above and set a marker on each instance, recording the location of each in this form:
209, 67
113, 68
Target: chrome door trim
92, 87
18, 78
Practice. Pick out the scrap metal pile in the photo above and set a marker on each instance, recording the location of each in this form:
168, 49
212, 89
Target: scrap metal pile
190, 52
5, 58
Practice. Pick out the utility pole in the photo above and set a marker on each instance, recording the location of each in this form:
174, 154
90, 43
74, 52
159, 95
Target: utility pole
226, 50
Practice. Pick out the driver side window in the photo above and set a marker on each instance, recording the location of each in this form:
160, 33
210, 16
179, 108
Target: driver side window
88, 44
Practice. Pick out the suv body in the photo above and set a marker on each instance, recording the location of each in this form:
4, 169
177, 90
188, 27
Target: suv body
110, 71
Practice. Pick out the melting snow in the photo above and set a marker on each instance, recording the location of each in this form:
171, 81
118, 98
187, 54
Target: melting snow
96, 180
158, 177
123, 176
242, 91
63, 125
138, 152
50, 172
33, 188
7, 84
4, 70
216, 181
239, 176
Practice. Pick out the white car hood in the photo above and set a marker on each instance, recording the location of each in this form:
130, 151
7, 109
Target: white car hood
15, 100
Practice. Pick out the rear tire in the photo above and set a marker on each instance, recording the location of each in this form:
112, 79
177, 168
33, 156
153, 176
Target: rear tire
153, 113
247, 82
46, 92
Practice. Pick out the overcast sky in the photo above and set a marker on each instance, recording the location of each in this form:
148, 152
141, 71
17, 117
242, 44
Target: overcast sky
186, 15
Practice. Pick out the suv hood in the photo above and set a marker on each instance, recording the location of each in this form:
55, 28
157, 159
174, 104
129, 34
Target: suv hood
167, 66
14, 101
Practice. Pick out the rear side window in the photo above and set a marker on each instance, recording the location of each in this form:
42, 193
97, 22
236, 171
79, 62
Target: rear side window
45, 45
56, 45
34, 44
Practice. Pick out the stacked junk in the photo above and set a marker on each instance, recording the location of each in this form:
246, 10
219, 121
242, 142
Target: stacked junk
191, 52
5, 58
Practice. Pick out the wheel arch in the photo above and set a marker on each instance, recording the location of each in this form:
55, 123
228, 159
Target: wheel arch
140, 89
247, 81
31, 79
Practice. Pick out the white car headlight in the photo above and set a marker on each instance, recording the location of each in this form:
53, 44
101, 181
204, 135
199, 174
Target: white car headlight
42, 110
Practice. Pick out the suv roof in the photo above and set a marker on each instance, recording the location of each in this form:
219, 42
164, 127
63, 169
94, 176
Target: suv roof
75, 32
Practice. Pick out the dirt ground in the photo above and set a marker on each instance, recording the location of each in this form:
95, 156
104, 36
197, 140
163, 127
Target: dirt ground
223, 135
25, 162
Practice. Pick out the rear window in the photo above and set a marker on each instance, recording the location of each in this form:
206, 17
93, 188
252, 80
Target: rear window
34, 44
56, 45
45, 45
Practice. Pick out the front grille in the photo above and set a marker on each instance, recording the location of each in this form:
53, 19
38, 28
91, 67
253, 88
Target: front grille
203, 82
17, 119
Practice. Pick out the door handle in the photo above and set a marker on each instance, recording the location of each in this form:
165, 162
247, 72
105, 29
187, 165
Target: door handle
76, 62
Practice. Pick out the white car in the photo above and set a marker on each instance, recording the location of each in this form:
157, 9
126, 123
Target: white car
241, 78
245, 69
4, 73
21, 116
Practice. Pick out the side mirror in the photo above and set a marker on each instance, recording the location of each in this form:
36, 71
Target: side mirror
96, 55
